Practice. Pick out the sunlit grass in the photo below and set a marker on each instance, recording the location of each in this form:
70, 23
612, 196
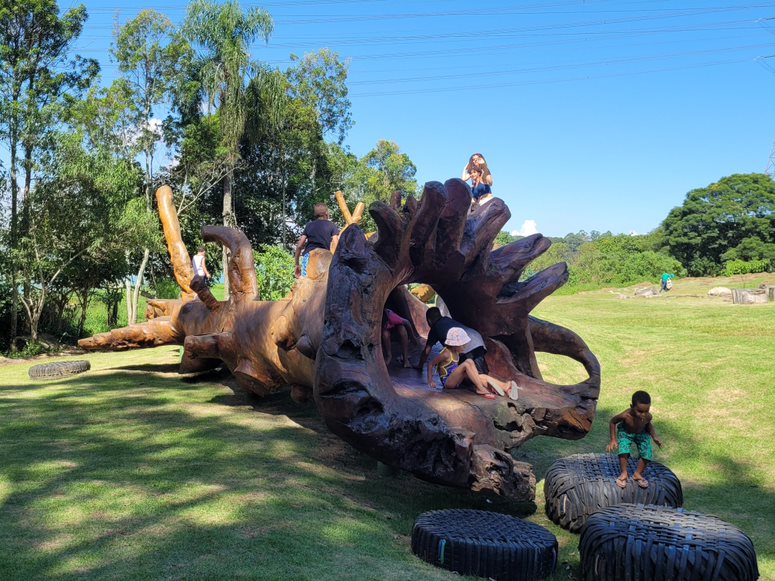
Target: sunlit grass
131, 471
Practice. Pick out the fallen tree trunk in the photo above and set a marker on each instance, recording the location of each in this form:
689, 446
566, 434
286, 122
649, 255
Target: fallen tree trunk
325, 339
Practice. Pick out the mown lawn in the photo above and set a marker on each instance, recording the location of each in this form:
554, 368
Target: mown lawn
131, 472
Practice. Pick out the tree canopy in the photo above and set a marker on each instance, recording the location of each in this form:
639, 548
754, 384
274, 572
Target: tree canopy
732, 217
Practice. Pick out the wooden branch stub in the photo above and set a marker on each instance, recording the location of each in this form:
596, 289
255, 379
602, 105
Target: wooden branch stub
181, 261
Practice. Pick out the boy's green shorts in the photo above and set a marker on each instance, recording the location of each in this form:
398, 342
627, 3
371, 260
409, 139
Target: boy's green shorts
642, 441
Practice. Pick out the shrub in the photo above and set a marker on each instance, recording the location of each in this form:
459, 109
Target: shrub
734, 267
167, 288
29, 349
275, 268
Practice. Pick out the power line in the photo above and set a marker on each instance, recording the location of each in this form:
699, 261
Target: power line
545, 68
466, 88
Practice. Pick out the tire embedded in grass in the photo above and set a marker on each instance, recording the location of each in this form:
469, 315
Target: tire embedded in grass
59, 369
579, 485
635, 541
487, 544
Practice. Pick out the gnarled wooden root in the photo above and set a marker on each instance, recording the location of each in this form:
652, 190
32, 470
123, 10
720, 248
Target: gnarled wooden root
325, 339
456, 438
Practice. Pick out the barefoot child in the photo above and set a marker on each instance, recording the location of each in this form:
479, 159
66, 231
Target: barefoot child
452, 372
393, 322
635, 427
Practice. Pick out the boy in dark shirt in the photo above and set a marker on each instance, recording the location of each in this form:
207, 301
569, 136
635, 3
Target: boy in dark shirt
635, 427
319, 233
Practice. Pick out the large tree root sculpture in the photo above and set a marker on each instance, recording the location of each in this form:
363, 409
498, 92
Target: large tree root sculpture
325, 340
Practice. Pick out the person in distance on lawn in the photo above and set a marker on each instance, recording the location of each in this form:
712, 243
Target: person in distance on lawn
634, 427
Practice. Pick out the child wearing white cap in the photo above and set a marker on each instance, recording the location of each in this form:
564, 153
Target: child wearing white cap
452, 372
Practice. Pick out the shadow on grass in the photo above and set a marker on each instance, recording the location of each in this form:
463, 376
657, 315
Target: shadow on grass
126, 476
150, 367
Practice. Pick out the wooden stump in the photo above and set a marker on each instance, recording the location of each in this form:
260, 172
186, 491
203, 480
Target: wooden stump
749, 296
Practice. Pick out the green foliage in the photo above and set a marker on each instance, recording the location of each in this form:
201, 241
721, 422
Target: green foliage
30, 349
376, 176
319, 81
719, 218
503, 238
223, 34
275, 268
391, 171
73, 236
287, 165
734, 267
167, 288
285, 170
607, 259
752, 249
38, 83
150, 56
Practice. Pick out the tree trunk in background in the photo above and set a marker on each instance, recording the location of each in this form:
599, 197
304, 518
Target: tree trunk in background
14, 238
229, 222
138, 286
133, 295
128, 293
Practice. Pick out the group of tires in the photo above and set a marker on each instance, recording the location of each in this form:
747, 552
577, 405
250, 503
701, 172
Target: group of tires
625, 533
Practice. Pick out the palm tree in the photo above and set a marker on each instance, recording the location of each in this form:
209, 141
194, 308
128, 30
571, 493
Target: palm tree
222, 33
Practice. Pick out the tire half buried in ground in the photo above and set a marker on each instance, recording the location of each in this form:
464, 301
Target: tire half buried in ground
59, 369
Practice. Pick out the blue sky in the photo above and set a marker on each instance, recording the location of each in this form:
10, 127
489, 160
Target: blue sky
593, 115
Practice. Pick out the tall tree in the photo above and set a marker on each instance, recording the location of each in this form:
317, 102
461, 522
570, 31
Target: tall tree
36, 77
377, 175
287, 165
319, 80
719, 218
75, 209
150, 56
223, 34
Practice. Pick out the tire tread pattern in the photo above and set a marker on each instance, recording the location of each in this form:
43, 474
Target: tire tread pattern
577, 486
58, 369
635, 541
483, 543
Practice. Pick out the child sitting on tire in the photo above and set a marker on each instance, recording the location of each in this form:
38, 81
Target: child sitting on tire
634, 428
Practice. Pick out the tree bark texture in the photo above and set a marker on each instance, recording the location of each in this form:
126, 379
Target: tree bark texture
324, 340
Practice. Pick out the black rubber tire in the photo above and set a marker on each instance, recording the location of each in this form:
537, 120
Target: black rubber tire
580, 485
632, 541
59, 369
487, 544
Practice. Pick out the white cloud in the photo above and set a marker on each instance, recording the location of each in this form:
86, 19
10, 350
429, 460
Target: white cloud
528, 227
153, 125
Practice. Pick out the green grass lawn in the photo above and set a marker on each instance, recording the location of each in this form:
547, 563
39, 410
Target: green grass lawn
129, 471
